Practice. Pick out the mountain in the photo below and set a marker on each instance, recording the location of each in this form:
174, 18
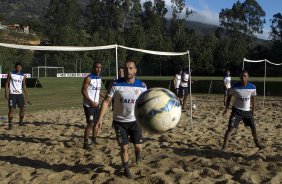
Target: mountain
201, 28
17, 11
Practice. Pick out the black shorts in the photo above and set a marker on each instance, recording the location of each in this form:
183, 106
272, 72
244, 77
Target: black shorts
226, 91
183, 91
177, 91
238, 115
16, 99
91, 114
127, 129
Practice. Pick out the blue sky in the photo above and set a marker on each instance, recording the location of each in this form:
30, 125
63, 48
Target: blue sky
208, 11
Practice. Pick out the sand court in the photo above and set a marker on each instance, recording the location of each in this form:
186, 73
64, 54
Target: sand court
49, 149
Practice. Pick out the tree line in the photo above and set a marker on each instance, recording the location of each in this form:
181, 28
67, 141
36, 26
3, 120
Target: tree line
147, 25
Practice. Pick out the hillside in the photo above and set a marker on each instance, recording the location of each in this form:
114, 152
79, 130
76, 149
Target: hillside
201, 27
20, 10
13, 11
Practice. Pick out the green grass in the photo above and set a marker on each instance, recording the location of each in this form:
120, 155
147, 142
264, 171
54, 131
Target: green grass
66, 93
56, 93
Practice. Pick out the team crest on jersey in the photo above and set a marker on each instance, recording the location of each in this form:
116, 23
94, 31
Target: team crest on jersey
137, 91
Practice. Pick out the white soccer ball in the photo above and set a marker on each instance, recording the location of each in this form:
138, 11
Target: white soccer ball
194, 106
157, 110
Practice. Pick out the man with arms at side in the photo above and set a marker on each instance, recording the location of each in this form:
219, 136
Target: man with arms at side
91, 90
15, 92
176, 82
243, 108
125, 91
183, 88
227, 85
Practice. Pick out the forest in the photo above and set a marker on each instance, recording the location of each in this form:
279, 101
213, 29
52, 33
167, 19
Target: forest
146, 25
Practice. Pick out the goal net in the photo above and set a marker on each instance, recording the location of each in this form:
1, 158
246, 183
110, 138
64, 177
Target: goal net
46, 71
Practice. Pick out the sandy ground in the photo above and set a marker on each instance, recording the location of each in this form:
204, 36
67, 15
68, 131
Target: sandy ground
49, 150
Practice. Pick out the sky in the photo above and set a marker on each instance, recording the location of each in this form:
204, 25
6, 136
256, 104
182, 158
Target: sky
208, 11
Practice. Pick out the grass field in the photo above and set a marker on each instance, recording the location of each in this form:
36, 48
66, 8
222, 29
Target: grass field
56, 93
66, 93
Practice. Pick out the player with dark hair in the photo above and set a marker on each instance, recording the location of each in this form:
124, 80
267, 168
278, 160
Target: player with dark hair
183, 88
125, 91
15, 92
243, 108
91, 90
227, 85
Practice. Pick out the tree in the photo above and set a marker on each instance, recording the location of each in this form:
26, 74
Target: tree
276, 27
253, 17
61, 14
276, 35
246, 17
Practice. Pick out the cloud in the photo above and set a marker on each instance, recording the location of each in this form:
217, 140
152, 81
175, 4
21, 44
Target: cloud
204, 15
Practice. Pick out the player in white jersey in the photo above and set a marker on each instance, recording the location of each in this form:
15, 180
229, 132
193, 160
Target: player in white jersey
125, 91
91, 90
183, 88
243, 108
15, 92
227, 85
176, 82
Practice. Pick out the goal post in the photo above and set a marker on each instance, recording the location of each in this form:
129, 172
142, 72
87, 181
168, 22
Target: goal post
36, 70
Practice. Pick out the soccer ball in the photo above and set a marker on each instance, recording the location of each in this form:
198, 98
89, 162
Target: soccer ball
157, 110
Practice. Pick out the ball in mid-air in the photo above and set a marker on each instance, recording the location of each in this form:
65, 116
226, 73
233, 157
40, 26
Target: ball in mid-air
157, 110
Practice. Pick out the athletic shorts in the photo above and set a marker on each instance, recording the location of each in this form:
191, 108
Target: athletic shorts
91, 114
183, 91
226, 91
238, 115
16, 99
177, 91
124, 130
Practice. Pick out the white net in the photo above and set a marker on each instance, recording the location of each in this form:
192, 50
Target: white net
71, 49
265, 71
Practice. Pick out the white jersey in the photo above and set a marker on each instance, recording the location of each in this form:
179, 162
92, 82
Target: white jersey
125, 96
227, 81
177, 81
93, 89
243, 95
16, 82
184, 79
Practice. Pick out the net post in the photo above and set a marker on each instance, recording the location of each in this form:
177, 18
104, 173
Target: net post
264, 82
116, 61
243, 64
190, 91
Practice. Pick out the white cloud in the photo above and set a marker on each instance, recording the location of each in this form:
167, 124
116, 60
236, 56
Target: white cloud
204, 15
